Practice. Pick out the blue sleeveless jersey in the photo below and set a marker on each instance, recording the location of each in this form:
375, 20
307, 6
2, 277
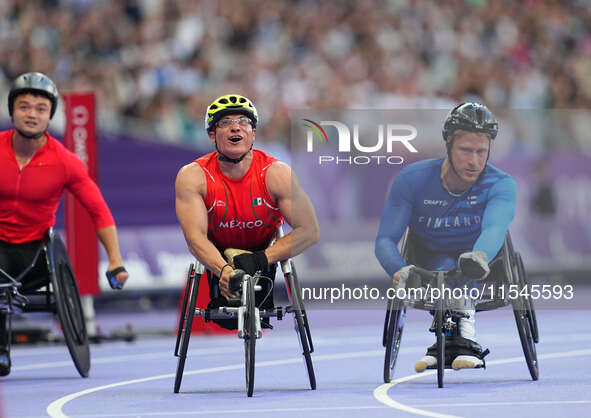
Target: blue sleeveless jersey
475, 221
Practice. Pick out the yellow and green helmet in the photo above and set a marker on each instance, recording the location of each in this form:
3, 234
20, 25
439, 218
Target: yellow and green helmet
229, 104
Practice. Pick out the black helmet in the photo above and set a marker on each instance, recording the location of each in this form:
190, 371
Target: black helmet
473, 117
36, 83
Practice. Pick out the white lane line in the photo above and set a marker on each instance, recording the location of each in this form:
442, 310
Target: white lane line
381, 392
515, 403
55, 408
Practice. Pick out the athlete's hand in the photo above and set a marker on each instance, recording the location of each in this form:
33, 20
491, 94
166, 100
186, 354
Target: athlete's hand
401, 276
224, 283
246, 260
474, 264
117, 276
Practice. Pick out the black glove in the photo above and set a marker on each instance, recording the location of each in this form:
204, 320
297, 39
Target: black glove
112, 277
474, 264
235, 282
251, 262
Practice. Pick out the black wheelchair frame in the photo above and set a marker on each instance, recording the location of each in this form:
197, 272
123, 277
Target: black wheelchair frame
445, 320
58, 293
249, 320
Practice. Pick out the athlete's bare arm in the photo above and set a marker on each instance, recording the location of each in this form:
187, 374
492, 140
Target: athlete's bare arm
296, 208
190, 188
108, 237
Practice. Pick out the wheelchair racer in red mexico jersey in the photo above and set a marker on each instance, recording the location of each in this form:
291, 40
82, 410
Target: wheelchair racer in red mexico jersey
241, 213
235, 198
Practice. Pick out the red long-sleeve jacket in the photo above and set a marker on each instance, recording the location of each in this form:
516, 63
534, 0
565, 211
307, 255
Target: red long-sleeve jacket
29, 197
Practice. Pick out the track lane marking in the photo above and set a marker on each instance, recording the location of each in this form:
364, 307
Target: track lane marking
381, 392
54, 409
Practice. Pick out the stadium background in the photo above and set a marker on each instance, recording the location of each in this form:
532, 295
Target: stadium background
155, 65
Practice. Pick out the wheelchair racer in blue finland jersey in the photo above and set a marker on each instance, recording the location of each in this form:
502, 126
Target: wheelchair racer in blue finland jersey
458, 210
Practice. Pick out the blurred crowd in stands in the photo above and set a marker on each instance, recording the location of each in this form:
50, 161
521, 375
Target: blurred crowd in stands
156, 64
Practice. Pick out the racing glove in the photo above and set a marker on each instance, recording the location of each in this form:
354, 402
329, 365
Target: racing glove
112, 277
248, 261
404, 273
474, 264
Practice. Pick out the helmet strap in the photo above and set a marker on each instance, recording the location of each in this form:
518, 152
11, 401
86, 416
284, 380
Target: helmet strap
223, 157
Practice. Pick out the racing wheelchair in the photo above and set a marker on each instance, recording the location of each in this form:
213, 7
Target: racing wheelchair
507, 269
248, 317
56, 292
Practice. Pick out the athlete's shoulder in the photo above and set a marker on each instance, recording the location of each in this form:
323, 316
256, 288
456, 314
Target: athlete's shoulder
496, 173
192, 177
62, 153
263, 157
499, 182
206, 159
496, 176
207, 164
267, 165
6, 135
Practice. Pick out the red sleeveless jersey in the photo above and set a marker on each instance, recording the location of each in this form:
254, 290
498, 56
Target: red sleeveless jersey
241, 213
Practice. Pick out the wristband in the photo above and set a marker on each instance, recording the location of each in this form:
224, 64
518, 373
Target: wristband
222, 270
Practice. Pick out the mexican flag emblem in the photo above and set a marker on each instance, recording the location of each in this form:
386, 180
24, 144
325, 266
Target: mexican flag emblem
257, 201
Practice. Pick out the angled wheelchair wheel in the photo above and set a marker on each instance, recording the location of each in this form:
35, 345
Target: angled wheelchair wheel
522, 310
531, 312
304, 315
386, 324
68, 306
301, 331
302, 327
440, 334
185, 325
526, 337
250, 338
395, 326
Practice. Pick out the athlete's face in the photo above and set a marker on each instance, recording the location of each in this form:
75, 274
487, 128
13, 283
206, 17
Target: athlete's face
234, 138
31, 114
469, 154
